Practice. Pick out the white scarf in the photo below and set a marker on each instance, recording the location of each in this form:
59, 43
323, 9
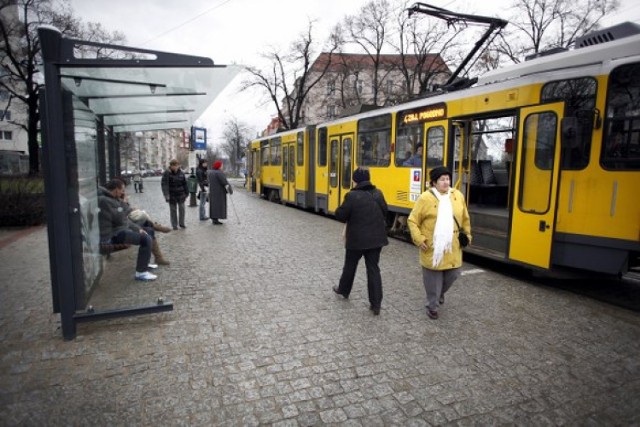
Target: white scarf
443, 232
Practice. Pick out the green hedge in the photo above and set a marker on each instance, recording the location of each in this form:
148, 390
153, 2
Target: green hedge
22, 201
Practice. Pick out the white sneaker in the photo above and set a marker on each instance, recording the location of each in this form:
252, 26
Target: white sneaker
152, 266
145, 276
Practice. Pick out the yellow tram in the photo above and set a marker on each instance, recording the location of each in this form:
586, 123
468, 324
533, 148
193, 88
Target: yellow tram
547, 153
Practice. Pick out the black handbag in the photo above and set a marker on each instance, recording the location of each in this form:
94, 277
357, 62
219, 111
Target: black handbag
462, 236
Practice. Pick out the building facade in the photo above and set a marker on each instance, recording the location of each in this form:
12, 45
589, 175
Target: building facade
351, 83
13, 112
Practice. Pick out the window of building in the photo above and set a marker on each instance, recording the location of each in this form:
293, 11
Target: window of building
7, 135
389, 86
374, 141
359, 86
331, 111
5, 115
331, 87
4, 95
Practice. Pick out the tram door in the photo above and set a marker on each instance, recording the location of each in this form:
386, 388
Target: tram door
340, 149
256, 162
288, 173
537, 169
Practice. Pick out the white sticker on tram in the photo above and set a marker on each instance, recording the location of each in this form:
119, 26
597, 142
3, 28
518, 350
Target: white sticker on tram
472, 271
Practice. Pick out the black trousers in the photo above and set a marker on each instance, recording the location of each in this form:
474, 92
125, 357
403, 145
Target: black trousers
374, 281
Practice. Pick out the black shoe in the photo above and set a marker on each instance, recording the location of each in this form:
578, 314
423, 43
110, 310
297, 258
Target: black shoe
215, 221
376, 311
204, 219
183, 226
432, 314
441, 301
337, 291
175, 228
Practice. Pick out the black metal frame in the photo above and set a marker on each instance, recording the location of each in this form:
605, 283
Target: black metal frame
62, 206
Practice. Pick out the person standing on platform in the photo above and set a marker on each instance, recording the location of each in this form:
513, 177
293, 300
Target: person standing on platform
365, 211
175, 191
137, 182
432, 223
218, 189
201, 175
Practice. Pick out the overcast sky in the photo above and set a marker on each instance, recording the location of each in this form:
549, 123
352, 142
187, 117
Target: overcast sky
237, 31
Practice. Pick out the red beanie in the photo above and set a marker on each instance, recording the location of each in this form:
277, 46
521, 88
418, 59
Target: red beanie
217, 164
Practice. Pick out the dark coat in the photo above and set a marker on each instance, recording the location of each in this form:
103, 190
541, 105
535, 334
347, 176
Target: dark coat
113, 217
174, 186
218, 189
365, 211
201, 174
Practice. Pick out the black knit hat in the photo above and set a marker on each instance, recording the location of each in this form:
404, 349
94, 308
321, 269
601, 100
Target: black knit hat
436, 173
360, 175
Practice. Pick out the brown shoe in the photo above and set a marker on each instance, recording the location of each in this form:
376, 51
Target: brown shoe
161, 228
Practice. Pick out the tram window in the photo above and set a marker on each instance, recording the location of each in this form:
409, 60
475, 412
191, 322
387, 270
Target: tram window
275, 151
300, 143
346, 163
408, 138
322, 147
374, 141
333, 164
264, 152
579, 96
435, 146
538, 149
545, 140
621, 142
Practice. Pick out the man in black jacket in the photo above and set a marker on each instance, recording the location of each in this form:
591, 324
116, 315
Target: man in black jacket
365, 212
175, 191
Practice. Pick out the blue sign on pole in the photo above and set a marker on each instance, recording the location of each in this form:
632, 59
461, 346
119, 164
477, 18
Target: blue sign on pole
198, 138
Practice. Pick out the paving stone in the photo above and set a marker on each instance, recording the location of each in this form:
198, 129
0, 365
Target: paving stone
257, 337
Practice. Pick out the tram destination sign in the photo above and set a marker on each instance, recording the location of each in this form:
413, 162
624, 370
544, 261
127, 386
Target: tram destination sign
423, 114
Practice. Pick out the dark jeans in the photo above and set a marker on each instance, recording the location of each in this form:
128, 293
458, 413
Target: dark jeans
143, 240
374, 281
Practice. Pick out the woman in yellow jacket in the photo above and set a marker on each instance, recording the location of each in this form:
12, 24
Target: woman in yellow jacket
434, 230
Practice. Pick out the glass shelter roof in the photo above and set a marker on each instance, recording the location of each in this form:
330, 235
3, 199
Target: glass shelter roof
139, 99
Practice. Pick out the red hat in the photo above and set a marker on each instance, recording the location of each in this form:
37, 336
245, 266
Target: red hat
217, 164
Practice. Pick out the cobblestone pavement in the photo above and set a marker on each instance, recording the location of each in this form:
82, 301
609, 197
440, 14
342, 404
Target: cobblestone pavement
258, 337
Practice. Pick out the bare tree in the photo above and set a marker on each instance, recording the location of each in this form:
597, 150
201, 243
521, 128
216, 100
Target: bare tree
369, 29
538, 25
416, 39
236, 137
288, 79
20, 55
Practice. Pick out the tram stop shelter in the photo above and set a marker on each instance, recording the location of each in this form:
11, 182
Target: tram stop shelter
94, 92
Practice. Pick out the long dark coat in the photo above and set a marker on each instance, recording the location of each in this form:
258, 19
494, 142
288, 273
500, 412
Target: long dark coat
364, 210
218, 187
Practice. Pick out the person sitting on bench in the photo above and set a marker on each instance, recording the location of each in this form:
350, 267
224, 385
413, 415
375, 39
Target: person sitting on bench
116, 228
